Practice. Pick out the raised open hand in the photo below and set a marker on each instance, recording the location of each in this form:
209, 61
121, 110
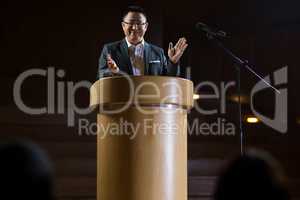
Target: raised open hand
176, 52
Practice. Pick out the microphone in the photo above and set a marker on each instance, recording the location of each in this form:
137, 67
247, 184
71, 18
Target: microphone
210, 33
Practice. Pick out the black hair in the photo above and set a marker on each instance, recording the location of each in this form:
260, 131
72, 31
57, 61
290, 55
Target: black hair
133, 8
25, 171
255, 175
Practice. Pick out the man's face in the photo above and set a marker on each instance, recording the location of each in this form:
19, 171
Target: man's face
134, 26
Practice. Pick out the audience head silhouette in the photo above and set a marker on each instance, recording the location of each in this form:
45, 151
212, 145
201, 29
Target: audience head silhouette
255, 175
25, 172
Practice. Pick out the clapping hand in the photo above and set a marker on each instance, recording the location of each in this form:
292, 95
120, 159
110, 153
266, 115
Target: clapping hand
112, 64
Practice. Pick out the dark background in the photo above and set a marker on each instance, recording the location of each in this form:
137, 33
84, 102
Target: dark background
69, 35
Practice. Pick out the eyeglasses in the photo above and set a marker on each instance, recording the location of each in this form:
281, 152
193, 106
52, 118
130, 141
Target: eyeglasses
140, 25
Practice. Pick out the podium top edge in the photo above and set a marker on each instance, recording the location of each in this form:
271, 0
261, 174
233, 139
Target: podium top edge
142, 77
143, 89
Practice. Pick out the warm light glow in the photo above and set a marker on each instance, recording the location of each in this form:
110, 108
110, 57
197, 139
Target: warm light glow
196, 96
243, 98
252, 120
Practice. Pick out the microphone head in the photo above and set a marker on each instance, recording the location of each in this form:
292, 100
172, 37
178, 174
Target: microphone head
200, 26
203, 28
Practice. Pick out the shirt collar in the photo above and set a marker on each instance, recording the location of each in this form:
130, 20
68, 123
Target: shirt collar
129, 44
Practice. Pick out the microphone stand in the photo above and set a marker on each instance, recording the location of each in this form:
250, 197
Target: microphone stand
240, 63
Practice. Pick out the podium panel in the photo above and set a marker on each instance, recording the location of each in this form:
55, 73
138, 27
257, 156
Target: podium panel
142, 149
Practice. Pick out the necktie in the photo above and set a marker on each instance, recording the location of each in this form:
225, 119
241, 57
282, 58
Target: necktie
137, 59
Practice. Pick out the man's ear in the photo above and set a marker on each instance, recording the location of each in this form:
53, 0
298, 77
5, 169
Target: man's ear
122, 24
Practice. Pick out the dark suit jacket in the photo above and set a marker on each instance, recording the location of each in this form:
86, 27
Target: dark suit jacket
154, 59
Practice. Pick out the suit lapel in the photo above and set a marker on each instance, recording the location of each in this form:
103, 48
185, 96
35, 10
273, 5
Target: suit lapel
146, 57
124, 53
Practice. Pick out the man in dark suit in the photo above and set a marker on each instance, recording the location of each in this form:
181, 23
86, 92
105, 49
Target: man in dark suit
134, 56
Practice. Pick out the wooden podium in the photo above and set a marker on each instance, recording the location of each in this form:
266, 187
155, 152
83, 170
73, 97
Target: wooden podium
142, 137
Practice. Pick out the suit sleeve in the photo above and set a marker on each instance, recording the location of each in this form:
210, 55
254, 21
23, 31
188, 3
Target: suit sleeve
103, 70
170, 69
